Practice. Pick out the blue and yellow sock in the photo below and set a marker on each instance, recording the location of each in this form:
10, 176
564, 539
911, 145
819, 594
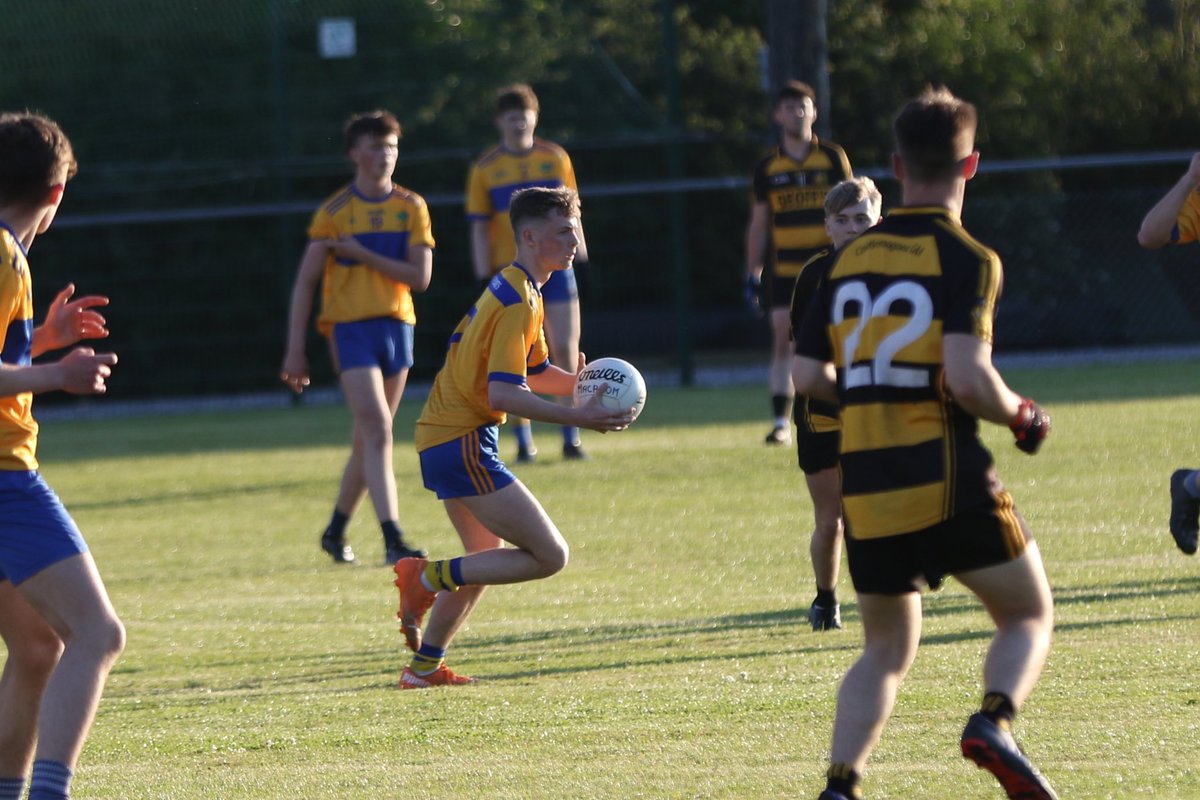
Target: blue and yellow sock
50, 781
444, 575
427, 659
11, 788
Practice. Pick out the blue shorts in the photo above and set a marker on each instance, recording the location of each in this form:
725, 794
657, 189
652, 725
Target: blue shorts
35, 529
383, 342
560, 287
468, 466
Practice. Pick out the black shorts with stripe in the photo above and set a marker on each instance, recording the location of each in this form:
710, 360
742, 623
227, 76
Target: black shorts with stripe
969, 540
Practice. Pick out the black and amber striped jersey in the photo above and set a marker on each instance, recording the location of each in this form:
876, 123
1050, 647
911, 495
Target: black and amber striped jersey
811, 414
794, 192
910, 457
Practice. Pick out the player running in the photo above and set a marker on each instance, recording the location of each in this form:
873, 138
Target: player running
497, 359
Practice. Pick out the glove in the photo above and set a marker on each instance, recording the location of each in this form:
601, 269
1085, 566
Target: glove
1031, 425
752, 296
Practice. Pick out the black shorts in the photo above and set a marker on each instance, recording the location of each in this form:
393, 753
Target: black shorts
969, 540
818, 434
817, 452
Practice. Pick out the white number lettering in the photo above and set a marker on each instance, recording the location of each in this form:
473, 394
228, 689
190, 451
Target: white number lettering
881, 371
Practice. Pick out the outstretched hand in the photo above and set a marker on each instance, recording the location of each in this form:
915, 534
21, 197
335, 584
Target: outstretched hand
68, 321
84, 371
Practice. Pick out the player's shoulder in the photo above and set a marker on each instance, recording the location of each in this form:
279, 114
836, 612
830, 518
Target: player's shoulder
337, 201
489, 157
547, 147
407, 195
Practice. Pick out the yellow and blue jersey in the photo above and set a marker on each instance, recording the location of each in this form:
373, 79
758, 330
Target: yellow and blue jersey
500, 173
389, 225
1187, 226
18, 429
794, 192
910, 457
500, 339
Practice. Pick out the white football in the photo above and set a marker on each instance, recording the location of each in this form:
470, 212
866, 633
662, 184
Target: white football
625, 387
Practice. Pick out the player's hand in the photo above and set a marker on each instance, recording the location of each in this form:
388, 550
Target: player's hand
595, 417
84, 371
752, 296
1031, 426
68, 321
349, 248
295, 372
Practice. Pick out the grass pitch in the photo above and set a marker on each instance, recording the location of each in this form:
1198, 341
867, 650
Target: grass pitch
670, 660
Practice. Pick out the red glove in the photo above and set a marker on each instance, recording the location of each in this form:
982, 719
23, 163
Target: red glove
1031, 425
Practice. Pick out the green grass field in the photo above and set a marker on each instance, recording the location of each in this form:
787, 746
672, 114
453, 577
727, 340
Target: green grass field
670, 660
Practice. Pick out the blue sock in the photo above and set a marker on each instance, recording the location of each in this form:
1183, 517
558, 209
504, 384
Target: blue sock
570, 435
11, 788
524, 436
51, 781
1189, 484
427, 659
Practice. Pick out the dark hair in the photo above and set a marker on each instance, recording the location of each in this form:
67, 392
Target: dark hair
518, 97
538, 202
934, 133
370, 123
795, 90
33, 154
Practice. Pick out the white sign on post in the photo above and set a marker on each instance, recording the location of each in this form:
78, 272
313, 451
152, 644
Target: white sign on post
337, 38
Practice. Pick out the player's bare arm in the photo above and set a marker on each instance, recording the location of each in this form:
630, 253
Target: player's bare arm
1160, 220
756, 240
81, 371
481, 248
416, 272
978, 388
815, 378
522, 402
68, 321
294, 371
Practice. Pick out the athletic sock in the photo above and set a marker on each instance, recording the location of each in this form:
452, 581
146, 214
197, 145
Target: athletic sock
999, 709
50, 781
524, 436
842, 778
826, 597
337, 524
570, 435
11, 788
427, 659
1189, 484
444, 575
781, 406
392, 535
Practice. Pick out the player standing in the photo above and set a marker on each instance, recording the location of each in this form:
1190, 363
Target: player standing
370, 247
519, 161
900, 336
496, 360
1175, 219
851, 207
58, 625
787, 228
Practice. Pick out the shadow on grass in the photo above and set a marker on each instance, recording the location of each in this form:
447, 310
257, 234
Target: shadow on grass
641, 646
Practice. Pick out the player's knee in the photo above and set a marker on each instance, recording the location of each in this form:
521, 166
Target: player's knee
104, 639
36, 653
553, 558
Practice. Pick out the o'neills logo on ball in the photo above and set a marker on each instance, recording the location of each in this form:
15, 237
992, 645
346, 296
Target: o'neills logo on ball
606, 374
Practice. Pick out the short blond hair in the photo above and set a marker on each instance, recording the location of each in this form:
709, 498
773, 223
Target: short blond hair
853, 191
